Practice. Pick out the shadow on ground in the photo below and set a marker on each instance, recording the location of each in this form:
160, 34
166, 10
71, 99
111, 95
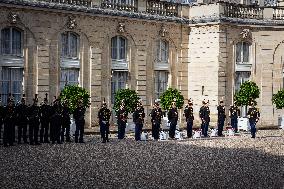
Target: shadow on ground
129, 164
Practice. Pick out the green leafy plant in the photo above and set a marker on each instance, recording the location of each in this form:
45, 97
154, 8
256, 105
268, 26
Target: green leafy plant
169, 96
72, 94
130, 98
278, 99
248, 92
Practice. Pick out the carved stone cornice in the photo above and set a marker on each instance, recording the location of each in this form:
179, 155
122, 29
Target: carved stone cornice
71, 23
13, 18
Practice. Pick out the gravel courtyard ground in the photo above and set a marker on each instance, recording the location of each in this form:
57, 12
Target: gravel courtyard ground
227, 162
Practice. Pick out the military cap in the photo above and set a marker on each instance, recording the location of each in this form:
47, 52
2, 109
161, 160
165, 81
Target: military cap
35, 99
190, 101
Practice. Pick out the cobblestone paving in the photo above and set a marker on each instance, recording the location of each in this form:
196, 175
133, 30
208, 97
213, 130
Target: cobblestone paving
227, 162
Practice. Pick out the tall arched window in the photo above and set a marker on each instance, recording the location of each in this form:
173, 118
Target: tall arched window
243, 53
161, 68
119, 64
163, 51
69, 66
11, 41
11, 63
118, 48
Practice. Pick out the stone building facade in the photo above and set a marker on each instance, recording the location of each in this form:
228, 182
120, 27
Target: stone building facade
204, 50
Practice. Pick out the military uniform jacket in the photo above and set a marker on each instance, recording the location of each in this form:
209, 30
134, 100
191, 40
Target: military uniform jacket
55, 118
9, 115
221, 112
138, 116
34, 114
79, 114
65, 115
188, 113
22, 114
234, 112
122, 115
104, 114
45, 113
156, 115
201, 112
173, 115
1, 114
206, 114
253, 114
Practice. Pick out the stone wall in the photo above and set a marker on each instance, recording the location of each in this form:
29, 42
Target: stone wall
42, 29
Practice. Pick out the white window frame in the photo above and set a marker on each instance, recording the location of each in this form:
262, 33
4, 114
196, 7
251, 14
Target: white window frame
160, 52
157, 81
242, 53
118, 47
11, 42
11, 84
69, 63
66, 81
114, 81
69, 49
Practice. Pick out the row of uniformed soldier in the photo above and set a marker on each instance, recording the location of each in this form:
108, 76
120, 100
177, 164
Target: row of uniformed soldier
54, 118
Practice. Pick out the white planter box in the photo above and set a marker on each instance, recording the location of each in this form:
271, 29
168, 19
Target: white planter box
166, 125
130, 127
282, 122
243, 124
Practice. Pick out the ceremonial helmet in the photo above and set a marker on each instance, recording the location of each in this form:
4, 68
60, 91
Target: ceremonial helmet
104, 104
10, 98
23, 98
36, 98
45, 99
190, 102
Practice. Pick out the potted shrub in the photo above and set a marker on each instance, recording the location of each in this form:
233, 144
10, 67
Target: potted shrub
72, 94
278, 100
248, 92
166, 99
130, 98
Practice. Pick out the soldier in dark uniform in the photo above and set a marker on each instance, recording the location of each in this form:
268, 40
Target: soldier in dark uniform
188, 113
121, 120
173, 118
22, 120
45, 113
65, 122
221, 117
34, 122
156, 116
1, 116
138, 119
9, 123
253, 115
79, 116
55, 122
104, 116
201, 115
206, 118
234, 113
